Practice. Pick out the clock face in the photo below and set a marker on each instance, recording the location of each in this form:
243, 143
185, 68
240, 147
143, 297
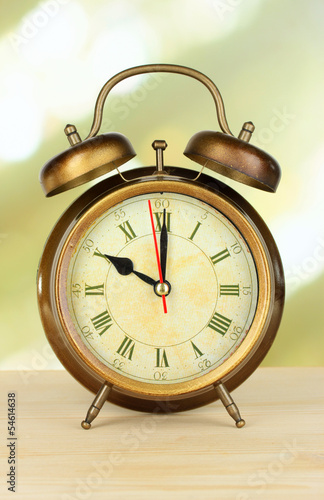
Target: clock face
213, 289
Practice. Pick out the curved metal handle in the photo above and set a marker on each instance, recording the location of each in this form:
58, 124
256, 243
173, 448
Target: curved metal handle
161, 68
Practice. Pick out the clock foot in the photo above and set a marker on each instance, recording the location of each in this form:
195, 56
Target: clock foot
229, 404
96, 406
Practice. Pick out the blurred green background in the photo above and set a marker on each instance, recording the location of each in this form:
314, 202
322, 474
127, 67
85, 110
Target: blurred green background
266, 57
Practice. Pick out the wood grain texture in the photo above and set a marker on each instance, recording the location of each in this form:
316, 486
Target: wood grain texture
195, 455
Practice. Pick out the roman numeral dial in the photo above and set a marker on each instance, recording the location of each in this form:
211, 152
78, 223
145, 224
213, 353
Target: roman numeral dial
126, 348
229, 290
220, 323
94, 290
197, 351
195, 231
111, 290
128, 231
218, 257
102, 322
161, 358
159, 221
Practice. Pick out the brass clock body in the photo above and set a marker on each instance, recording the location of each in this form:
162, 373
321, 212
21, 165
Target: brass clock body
102, 279
148, 389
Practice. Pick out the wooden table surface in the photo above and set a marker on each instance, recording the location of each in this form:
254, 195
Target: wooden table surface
194, 455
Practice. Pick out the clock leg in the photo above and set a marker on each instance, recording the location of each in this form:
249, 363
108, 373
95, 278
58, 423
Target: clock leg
229, 404
96, 406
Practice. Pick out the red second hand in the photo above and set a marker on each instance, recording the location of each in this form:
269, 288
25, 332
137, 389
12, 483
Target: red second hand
157, 254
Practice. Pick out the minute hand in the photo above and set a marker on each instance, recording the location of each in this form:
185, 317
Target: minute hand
163, 246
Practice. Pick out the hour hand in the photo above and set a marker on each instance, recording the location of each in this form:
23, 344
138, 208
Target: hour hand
125, 266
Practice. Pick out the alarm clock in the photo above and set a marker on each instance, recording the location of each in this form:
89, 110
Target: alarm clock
160, 288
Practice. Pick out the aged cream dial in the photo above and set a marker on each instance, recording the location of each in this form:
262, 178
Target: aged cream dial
211, 305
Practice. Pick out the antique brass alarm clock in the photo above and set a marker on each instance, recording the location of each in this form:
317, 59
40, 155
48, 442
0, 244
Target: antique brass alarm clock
160, 288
